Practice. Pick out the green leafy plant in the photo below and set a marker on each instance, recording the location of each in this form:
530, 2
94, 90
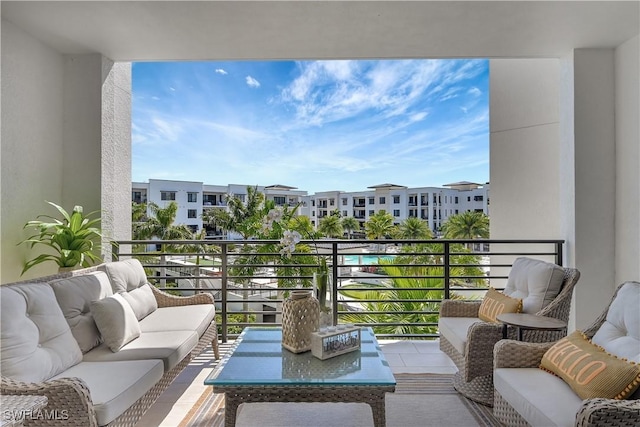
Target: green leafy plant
75, 238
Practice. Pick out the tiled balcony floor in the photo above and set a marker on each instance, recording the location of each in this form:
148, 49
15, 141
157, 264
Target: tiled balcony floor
172, 406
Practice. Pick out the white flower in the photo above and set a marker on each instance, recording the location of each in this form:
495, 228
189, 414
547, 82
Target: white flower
275, 215
289, 241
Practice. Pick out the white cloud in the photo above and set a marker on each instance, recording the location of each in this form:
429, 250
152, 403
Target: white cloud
221, 71
251, 82
474, 91
172, 89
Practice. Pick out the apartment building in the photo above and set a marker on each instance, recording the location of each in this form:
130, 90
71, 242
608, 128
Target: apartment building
432, 204
194, 198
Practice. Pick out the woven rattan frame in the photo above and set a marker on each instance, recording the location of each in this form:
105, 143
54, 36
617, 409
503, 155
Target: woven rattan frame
73, 396
592, 413
475, 366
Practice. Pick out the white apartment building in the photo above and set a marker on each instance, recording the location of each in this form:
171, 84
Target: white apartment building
432, 204
194, 198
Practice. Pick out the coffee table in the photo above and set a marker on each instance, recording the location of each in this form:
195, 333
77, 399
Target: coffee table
260, 370
524, 321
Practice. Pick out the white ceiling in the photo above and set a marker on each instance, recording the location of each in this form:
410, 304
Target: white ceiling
201, 30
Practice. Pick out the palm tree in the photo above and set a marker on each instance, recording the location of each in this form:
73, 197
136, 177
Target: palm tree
414, 228
350, 224
331, 226
379, 226
242, 217
467, 225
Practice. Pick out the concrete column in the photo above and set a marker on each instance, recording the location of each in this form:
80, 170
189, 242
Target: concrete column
589, 188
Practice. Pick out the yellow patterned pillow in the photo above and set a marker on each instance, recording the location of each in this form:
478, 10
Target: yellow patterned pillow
589, 370
495, 303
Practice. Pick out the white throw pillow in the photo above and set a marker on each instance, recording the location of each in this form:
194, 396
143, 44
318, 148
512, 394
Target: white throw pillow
116, 321
141, 300
125, 275
535, 282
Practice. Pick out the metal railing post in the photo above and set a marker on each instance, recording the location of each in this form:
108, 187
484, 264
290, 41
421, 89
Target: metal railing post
223, 290
334, 282
447, 273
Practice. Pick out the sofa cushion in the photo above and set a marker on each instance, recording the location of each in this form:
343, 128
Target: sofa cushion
495, 303
620, 332
35, 338
181, 318
589, 370
170, 347
74, 295
536, 282
125, 275
141, 300
455, 330
116, 321
539, 397
115, 386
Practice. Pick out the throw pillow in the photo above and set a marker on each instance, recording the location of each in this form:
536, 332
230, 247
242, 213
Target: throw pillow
495, 303
141, 300
589, 370
116, 321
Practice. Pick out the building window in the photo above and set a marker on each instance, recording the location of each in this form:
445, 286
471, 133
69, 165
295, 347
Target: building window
372, 212
279, 200
468, 198
137, 196
396, 212
456, 200
167, 195
332, 202
192, 213
313, 202
344, 213
383, 200
478, 198
344, 201
372, 200
396, 199
192, 197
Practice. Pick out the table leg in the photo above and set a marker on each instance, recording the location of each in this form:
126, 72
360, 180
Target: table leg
379, 413
230, 410
519, 333
504, 331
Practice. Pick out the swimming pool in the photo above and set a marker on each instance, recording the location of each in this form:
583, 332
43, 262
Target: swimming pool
366, 259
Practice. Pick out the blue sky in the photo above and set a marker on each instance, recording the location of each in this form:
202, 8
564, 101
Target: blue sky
315, 125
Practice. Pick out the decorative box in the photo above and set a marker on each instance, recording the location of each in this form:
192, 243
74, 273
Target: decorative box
334, 341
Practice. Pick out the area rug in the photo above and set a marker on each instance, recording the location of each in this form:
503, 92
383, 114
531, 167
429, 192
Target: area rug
420, 400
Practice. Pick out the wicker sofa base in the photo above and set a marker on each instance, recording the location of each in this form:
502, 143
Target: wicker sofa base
506, 414
479, 389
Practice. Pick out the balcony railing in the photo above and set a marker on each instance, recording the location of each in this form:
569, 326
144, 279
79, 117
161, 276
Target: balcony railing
394, 286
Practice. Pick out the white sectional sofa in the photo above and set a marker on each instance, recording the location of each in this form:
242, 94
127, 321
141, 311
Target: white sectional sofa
100, 343
526, 395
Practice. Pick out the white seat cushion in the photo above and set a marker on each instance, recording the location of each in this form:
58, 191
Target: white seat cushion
35, 338
74, 295
535, 282
170, 347
620, 332
455, 329
541, 398
115, 386
182, 318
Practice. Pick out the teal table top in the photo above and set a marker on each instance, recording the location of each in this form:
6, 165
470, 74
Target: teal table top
259, 359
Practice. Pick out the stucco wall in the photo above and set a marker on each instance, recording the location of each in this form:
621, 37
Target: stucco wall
627, 230
32, 142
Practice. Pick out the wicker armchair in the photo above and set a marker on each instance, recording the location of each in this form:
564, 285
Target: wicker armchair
592, 412
474, 378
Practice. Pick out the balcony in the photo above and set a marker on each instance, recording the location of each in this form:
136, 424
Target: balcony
249, 292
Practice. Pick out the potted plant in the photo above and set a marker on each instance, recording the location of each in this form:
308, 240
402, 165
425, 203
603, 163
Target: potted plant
75, 239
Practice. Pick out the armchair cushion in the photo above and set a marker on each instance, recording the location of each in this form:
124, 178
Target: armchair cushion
116, 321
619, 334
589, 370
536, 282
35, 338
495, 303
455, 329
74, 295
